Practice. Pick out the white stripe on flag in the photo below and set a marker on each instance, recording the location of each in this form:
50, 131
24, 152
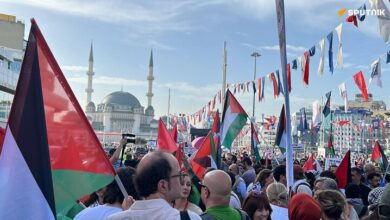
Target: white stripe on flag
228, 120
21, 197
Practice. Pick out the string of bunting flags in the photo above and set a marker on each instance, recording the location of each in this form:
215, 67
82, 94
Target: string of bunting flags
258, 85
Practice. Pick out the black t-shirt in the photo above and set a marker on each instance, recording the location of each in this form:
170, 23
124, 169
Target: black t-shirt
364, 191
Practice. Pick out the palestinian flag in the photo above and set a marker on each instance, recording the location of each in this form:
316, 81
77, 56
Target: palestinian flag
379, 157
330, 146
343, 172
51, 157
254, 142
233, 120
281, 136
205, 157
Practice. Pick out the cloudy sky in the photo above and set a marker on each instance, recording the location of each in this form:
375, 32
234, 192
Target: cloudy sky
187, 39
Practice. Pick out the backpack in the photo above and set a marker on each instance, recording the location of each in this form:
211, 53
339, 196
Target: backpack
207, 216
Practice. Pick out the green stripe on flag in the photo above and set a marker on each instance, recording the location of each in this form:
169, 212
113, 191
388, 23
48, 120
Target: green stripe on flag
71, 185
234, 129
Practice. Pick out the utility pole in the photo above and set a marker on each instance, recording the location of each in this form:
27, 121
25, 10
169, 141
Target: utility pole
255, 55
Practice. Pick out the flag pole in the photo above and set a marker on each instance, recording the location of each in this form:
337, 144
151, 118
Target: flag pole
121, 187
283, 60
223, 94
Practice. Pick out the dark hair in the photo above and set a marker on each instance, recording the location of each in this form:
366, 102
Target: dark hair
311, 178
113, 194
372, 175
263, 175
328, 173
232, 177
93, 197
352, 191
247, 160
234, 158
147, 178
256, 201
357, 170
279, 171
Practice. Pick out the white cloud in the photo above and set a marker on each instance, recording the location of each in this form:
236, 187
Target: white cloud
107, 80
74, 68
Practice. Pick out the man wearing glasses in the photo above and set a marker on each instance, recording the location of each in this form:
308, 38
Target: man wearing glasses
215, 194
159, 181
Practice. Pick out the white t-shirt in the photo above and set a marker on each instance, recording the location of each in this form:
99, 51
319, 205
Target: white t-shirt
152, 209
279, 212
97, 212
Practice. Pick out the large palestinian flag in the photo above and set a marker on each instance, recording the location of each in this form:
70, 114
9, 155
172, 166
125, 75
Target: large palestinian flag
51, 156
233, 119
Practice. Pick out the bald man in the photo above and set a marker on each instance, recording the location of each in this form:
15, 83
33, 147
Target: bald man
215, 194
159, 181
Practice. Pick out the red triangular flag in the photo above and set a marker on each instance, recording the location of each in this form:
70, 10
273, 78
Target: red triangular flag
2, 134
353, 19
342, 123
275, 84
310, 164
179, 154
289, 77
174, 131
164, 139
216, 123
343, 172
361, 83
305, 68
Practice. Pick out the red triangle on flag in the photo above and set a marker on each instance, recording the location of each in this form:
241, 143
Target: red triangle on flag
343, 172
164, 138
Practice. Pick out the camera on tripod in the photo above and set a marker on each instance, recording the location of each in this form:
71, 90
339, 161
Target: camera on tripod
130, 137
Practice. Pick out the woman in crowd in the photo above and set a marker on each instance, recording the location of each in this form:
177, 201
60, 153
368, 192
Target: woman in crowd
262, 181
278, 197
112, 197
333, 205
183, 203
257, 206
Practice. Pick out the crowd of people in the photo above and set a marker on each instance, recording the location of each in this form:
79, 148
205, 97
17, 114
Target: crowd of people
242, 189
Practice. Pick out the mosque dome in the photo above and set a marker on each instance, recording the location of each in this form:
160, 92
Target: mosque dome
121, 98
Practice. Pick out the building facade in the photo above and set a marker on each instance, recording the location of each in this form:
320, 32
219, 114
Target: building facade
12, 47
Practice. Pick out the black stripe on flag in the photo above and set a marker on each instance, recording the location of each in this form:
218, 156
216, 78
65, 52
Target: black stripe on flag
27, 120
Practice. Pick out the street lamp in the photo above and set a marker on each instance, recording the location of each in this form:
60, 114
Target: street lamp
255, 55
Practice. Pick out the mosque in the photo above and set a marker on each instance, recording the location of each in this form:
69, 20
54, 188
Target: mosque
120, 111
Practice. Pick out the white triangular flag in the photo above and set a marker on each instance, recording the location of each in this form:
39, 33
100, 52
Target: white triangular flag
384, 18
340, 51
322, 56
376, 73
316, 119
344, 95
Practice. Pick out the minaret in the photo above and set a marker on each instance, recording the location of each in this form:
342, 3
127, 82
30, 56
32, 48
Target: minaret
90, 74
150, 79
